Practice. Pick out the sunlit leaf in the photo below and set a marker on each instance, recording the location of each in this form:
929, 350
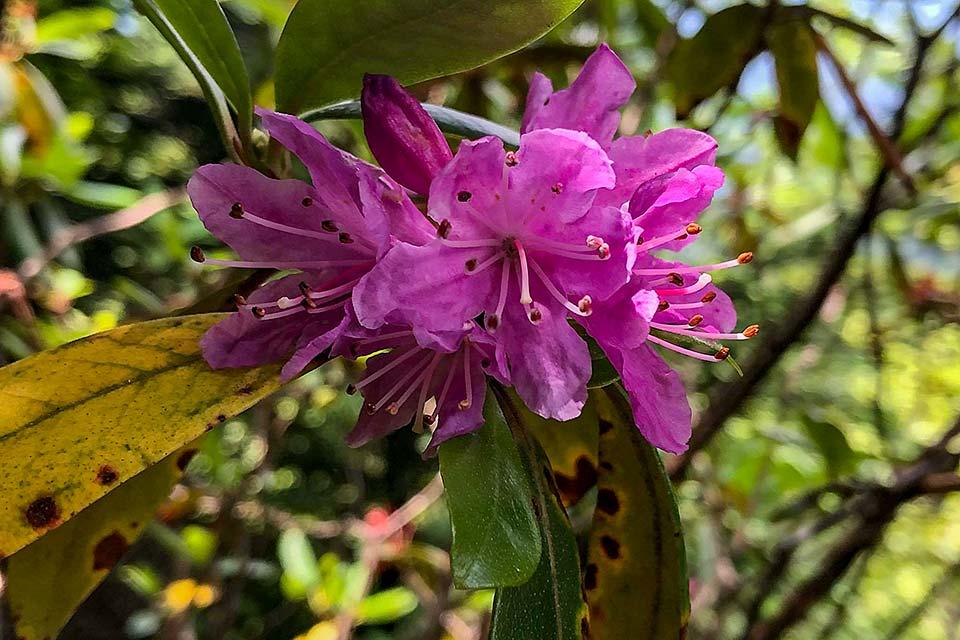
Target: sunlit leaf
716, 56
68, 24
635, 577
550, 605
125, 399
50, 578
327, 45
495, 537
386, 606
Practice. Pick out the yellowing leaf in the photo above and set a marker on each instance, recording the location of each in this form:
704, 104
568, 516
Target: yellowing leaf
50, 578
77, 421
635, 578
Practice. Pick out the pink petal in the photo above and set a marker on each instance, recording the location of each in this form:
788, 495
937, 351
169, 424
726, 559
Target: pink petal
592, 101
402, 136
470, 188
665, 205
541, 89
390, 215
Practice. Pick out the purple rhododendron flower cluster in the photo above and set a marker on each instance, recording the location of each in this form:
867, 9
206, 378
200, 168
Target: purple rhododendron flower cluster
512, 247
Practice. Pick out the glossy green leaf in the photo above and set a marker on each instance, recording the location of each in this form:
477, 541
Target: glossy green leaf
327, 45
635, 577
550, 605
795, 54
124, 399
49, 579
715, 57
496, 541
452, 121
201, 36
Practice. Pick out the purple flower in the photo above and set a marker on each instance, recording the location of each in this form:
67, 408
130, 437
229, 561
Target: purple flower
520, 241
402, 136
331, 232
438, 381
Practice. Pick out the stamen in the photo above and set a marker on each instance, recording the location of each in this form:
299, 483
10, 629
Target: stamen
239, 300
752, 330
493, 321
703, 281
236, 211
424, 389
332, 292
691, 229
197, 255
663, 306
474, 268
687, 305
262, 315
315, 309
709, 296
307, 201
345, 238
573, 308
525, 297
400, 360
366, 342
743, 258
329, 226
709, 335
471, 244
465, 404
415, 372
687, 352
534, 315
511, 159
443, 229
695, 320
283, 228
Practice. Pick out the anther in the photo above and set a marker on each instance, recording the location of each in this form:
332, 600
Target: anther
682, 236
464, 404
471, 264
585, 305
722, 354
511, 159
429, 420
345, 238
464, 196
752, 330
393, 409
594, 242
236, 211
307, 201
197, 255
239, 300
557, 188
695, 320
535, 316
603, 251
258, 312
329, 226
484, 363
492, 321
663, 306
709, 296
443, 230
647, 133
308, 303
304, 288
693, 229
675, 278
744, 258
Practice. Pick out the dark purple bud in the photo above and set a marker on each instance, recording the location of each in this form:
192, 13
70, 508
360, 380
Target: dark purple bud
404, 139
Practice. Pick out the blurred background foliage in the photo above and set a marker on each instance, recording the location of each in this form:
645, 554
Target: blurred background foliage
269, 534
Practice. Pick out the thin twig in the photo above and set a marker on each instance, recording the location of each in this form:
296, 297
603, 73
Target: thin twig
133, 215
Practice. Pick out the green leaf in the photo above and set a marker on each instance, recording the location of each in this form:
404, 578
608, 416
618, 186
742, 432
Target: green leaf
327, 45
69, 24
201, 36
386, 606
103, 195
126, 399
795, 54
298, 560
839, 21
452, 121
495, 536
832, 444
715, 57
49, 579
651, 20
636, 577
550, 605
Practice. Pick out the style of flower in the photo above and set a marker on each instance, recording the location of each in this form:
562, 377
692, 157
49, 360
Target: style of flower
331, 232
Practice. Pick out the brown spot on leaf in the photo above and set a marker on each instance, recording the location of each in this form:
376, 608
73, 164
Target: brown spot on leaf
572, 489
590, 577
109, 550
608, 502
42, 513
183, 460
611, 548
246, 390
107, 475
221, 418
605, 426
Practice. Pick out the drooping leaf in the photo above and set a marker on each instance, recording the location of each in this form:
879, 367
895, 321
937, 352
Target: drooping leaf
795, 55
126, 399
327, 45
449, 120
50, 578
635, 577
838, 455
550, 605
716, 56
201, 36
496, 540
571, 448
